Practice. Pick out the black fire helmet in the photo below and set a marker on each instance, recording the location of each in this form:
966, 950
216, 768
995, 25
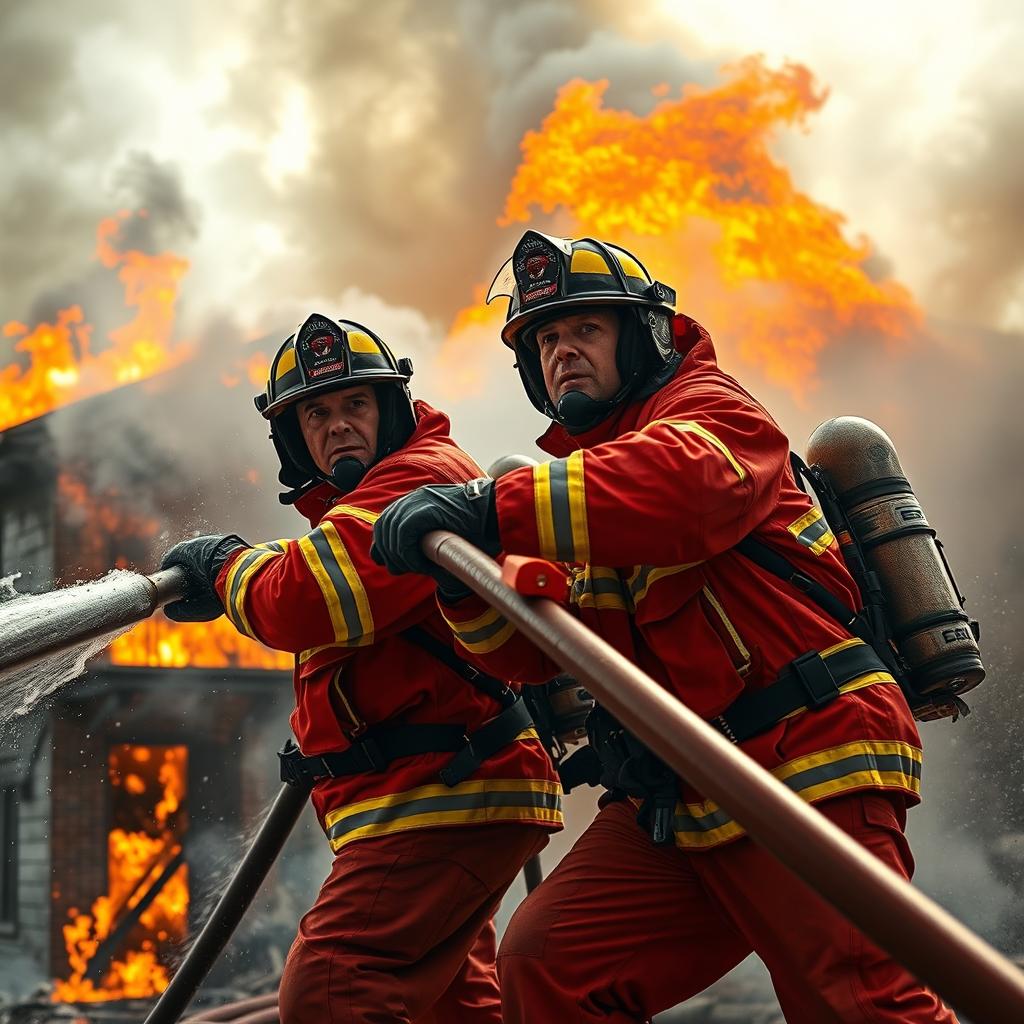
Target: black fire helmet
330, 355
549, 277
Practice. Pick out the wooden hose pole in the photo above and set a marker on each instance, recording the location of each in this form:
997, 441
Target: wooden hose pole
931, 943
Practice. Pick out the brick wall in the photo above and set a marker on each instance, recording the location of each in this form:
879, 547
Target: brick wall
79, 823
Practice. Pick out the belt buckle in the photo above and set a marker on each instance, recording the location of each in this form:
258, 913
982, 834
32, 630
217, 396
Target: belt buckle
374, 755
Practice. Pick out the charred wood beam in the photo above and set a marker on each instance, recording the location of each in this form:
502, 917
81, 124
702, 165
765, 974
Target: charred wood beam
101, 959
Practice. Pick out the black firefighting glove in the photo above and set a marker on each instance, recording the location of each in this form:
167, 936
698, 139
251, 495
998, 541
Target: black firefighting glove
466, 509
202, 558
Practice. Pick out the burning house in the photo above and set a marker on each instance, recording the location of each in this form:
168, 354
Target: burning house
123, 795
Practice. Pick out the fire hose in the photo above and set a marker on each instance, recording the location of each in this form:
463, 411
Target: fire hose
932, 944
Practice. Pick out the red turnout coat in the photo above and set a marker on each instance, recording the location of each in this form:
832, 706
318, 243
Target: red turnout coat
646, 509
323, 598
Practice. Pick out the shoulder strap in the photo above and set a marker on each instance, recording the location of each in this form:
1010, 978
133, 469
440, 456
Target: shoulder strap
494, 688
778, 565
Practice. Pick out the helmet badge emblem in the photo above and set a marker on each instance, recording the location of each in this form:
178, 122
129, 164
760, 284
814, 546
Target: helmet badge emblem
536, 268
322, 353
322, 345
536, 265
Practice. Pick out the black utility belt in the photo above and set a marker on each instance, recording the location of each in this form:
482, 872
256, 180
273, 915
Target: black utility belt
379, 746
806, 683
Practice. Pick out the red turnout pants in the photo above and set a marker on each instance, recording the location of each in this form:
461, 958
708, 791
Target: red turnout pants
402, 932
623, 929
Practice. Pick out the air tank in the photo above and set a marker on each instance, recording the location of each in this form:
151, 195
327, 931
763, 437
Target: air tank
923, 606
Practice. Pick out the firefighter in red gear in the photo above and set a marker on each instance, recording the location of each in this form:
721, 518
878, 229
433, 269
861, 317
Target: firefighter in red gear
668, 484
427, 776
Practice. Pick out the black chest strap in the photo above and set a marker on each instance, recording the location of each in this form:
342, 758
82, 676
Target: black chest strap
379, 746
806, 683
375, 749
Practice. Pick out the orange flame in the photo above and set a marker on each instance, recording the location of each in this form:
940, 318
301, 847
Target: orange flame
61, 367
159, 642
693, 189
98, 527
136, 858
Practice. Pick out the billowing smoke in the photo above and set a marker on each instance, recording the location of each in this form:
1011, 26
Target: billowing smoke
353, 159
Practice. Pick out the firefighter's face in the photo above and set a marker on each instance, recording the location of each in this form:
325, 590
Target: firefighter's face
340, 424
577, 353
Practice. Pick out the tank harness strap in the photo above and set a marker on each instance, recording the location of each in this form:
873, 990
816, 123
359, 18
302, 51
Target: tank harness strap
375, 749
491, 736
778, 565
494, 688
806, 683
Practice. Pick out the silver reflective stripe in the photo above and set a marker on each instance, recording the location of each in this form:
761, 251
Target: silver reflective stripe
455, 802
239, 571
561, 515
477, 636
346, 598
867, 761
810, 535
587, 583
808, 778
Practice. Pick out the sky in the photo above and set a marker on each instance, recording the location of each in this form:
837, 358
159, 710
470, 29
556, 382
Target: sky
355, 159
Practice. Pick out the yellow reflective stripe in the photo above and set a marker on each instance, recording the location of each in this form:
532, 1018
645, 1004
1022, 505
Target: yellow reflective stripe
304, 656
483, 634
731, 629
472, 625
578, 507
285, 363
542, 509
561, 509
351, 510
854, 684
280, 546
584, 261
316, 567
357, 590
812, 531
692, 427
353, 717
875, 764
475, 801
597, 586
644, 577
342, 589
841, 646
360, 342
237, 585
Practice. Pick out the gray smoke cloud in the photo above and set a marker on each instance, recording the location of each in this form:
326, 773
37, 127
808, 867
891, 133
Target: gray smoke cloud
978, 188
398, 126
